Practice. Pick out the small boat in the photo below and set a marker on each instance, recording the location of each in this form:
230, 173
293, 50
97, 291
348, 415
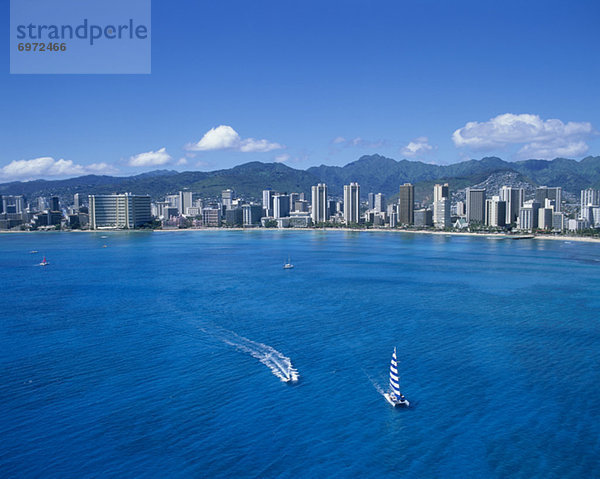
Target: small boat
33, 251
394, 396
44, 262
288, 265
104, 246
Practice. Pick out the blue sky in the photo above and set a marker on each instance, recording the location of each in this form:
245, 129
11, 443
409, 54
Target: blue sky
319, 82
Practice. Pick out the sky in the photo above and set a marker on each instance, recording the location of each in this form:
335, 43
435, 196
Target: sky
318, 82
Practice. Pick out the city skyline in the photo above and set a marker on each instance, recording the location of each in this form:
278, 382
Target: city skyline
399, 80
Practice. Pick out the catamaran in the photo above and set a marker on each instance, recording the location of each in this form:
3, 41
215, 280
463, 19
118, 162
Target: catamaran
44, 262
395, 397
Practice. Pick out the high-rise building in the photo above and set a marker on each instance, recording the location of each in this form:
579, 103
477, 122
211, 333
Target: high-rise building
185, 202
528, 215
54, 204
320, 212
393, 219
380, 203
545, 218
13, 204
590, 197
371, 201
423, 217
513, 197
475, 205
406, 204
281, 206
119, 211
211, 216
495, 211
351, 203
227, 197
461, 209
77, 201
173, 201
252, 214
441, 206
267, 202
553, 193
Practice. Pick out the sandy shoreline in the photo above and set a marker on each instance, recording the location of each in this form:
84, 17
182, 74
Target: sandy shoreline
370, 230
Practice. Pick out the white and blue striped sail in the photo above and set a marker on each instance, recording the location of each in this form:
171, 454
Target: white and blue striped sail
394, 381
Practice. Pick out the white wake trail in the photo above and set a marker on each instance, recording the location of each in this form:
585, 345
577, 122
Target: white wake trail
279, 364
377, 387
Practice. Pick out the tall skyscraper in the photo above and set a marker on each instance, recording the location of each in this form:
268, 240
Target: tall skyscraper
320, 212
54, 205
475, 205
119, 211
371, 201
380, 203
227, 197
351, 203
281, 206
495, 211
590, 197
77, 201
406, 204
185, 201
553, 193
268, 196
513, 197
441, 206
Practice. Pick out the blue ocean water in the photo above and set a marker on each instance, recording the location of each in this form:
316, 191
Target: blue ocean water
159, 355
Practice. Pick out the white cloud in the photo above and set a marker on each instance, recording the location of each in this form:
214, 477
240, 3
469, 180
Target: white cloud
357, 142
282, 158
150, 158
540, 138
223, 137
49, 167
181, 161
417, 147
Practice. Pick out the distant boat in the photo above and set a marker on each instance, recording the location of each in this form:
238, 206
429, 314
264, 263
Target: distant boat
44, 262
103, 236
395, 397
33, 251
104, 246
288, 265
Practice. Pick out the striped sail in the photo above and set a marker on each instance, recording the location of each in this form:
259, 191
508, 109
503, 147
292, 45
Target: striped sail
394, 381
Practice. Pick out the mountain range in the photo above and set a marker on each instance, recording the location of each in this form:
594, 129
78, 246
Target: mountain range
374, 173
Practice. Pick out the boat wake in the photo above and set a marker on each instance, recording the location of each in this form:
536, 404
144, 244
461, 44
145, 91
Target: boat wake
279, 364
377, 387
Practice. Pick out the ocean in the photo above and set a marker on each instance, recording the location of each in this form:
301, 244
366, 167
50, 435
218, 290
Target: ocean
162, 355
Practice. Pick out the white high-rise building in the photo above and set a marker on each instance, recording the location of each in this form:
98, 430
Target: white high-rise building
441, 206
320, 212
267, 202
119, 211
380, 203
495, 211
351, 203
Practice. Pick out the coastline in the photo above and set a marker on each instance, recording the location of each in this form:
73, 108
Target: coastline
499, 236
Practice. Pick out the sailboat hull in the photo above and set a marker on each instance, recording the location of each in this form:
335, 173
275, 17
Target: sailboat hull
395, 402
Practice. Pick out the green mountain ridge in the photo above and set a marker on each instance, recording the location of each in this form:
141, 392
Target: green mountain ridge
374, 173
